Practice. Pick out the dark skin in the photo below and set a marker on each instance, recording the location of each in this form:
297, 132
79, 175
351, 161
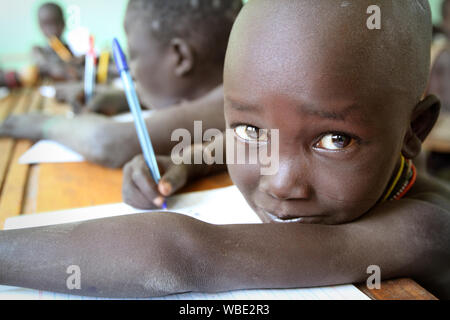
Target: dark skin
169, 79
107, 100
446, 20
51, 21
440, 79
157, 254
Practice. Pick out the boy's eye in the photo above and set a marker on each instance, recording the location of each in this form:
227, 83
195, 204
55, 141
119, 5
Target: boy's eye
252, 134
335, 141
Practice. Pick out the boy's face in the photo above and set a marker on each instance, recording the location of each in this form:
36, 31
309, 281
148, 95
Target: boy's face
51, 23
149, 65
341, 125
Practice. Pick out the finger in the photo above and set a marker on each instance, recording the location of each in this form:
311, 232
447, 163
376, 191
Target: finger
134, 197
142, 179
173, 180
131, 193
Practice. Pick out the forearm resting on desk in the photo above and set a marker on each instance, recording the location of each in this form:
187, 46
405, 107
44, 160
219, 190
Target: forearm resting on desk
133, 256
157, 254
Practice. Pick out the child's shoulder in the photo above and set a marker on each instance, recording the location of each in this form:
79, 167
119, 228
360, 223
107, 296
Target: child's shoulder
426, 215
432, 191
426, 210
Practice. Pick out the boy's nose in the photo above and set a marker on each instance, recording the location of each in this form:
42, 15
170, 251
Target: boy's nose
289, 183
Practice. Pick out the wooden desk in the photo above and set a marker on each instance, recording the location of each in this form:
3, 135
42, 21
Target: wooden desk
50, 187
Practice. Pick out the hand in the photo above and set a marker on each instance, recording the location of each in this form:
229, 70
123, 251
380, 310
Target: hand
108, 102
68, 91
29, 126
140, 190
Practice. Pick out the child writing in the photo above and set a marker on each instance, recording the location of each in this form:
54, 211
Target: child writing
55, 62
438, 163
350, 114
177, 51
443, 31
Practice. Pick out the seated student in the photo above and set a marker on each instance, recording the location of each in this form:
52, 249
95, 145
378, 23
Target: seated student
177, 51
438, 163
47, 62
439, 83
443, 31
350, 115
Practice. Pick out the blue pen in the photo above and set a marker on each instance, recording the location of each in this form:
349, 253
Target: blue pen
136, 110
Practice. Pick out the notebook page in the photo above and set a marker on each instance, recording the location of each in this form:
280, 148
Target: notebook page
46, 151
345, 292
220, 206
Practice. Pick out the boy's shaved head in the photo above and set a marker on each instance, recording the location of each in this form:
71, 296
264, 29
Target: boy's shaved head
395, 57
204, 22
347, 102
177, 47
445, 9
51, 19
52, 8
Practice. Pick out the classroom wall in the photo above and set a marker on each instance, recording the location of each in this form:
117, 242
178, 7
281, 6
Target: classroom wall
19, 29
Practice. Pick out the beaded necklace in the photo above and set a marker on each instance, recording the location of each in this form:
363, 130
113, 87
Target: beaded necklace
403, 181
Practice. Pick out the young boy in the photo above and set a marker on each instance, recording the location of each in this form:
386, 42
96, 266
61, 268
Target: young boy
438, 163
47, 63
177, 51
444, 28
347, 104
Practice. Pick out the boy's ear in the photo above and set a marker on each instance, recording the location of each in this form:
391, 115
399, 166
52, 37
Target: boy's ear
184, 56
423, 119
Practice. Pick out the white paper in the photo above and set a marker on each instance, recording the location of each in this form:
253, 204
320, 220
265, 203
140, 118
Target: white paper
4, 92
128, 116
345, 292
220, 206
47, 91
46, 151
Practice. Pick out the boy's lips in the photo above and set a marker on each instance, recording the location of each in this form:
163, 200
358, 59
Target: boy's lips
297, 219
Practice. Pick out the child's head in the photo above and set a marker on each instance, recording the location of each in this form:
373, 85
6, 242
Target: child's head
177, 48
51, 20
347, 102
440, 75
446, 16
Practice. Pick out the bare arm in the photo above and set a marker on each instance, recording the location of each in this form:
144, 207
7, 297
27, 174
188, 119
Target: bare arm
158, 254
130, 256
106, 142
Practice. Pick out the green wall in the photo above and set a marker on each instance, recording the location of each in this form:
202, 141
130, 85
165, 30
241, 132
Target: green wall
19, 29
